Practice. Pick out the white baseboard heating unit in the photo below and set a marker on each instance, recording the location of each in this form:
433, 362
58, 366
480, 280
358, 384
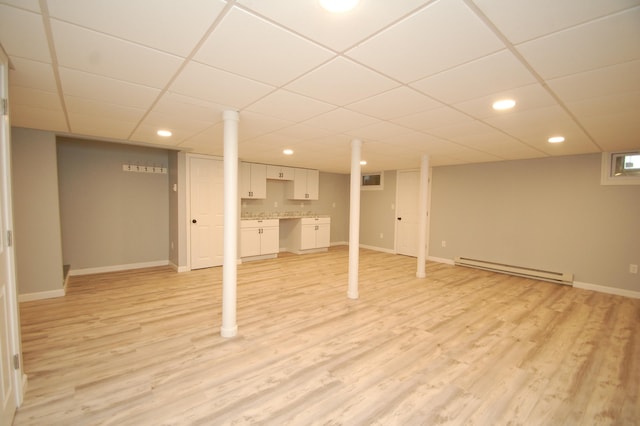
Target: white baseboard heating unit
538, 274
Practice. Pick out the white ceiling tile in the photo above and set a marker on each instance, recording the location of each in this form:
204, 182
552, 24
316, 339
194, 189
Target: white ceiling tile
340, 120
337, 31
32, 5
22, 34
100, 126
600, 43
32, 74
23, 115
341, 82
394, 103
289, 106
619, 78
37, 98
527, 97
253, 125
603, 105
90, 107
437, 117
379, 131
300, 132
535, 126
170, 26
104, 89
265, 52
209, 141
428, 42
522, 20
97, 53
185, 107
494, 73
217, 86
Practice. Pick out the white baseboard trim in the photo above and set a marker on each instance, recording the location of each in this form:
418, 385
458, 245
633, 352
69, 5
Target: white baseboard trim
382, 249
28, 297
608, 290
178, 268
116, 268
440, 260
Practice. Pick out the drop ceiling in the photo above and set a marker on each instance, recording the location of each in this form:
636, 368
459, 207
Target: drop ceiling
408, 78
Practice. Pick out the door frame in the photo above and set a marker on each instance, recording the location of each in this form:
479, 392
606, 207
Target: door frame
18, 378
187, 223
395, 221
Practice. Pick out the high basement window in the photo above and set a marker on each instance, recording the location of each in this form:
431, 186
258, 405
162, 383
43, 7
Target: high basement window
620, 168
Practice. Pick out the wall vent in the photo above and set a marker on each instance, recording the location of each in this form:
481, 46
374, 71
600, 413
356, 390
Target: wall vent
538, 274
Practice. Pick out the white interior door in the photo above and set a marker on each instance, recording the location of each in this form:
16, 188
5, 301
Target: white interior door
408, 186
206, 192
9, 330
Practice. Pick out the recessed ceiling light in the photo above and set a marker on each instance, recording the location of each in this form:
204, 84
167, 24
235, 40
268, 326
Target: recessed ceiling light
556, 139
504, 104
363, 163
287, 151
164, 133
338, 6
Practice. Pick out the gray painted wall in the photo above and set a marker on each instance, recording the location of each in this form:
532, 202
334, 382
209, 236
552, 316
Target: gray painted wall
36, 211
549, 213
111, 217
378, 214
333, 200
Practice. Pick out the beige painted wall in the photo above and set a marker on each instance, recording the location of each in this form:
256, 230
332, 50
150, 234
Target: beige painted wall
549, 213
110, 217
36, 215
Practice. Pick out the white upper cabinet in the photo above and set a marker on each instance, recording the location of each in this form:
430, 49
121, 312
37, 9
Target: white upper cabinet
305, 185
279, 172
253, 181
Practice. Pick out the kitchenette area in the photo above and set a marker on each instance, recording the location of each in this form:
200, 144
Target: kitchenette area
281, 211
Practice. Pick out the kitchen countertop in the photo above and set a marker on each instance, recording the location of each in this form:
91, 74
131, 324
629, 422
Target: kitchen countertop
284, 216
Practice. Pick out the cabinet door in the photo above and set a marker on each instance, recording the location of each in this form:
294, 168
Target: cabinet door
279, 172
323, 235
244, 180
313, 184
259, 181
308, 237
249, 242
269, 240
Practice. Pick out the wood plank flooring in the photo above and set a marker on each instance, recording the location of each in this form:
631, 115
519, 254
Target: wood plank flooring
462, 346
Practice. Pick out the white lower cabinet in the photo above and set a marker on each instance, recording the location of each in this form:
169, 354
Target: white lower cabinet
259, 237
307, 234
314, 233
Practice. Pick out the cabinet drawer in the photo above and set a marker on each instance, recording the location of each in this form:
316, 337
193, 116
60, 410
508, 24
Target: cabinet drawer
259, 223
315, 220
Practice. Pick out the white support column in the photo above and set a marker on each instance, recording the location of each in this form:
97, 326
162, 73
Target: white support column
354, 219
422, 216
229, 264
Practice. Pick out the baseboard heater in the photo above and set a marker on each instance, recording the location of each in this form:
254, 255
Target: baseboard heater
538, 274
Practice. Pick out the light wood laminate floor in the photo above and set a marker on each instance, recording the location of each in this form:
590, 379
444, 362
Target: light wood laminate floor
462, 346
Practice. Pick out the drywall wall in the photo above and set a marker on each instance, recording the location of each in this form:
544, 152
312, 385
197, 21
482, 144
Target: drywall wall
549, 213
333, 201
36, 214
378, 215
112, 218
177, 210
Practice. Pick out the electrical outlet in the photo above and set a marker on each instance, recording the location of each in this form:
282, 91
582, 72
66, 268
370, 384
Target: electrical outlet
633, 269
381, 235
275, 204
444, 243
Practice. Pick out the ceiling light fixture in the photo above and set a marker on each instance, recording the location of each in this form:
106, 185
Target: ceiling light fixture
338, 6
504, 104
164, 133
363, 163
287, 151
556, 139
